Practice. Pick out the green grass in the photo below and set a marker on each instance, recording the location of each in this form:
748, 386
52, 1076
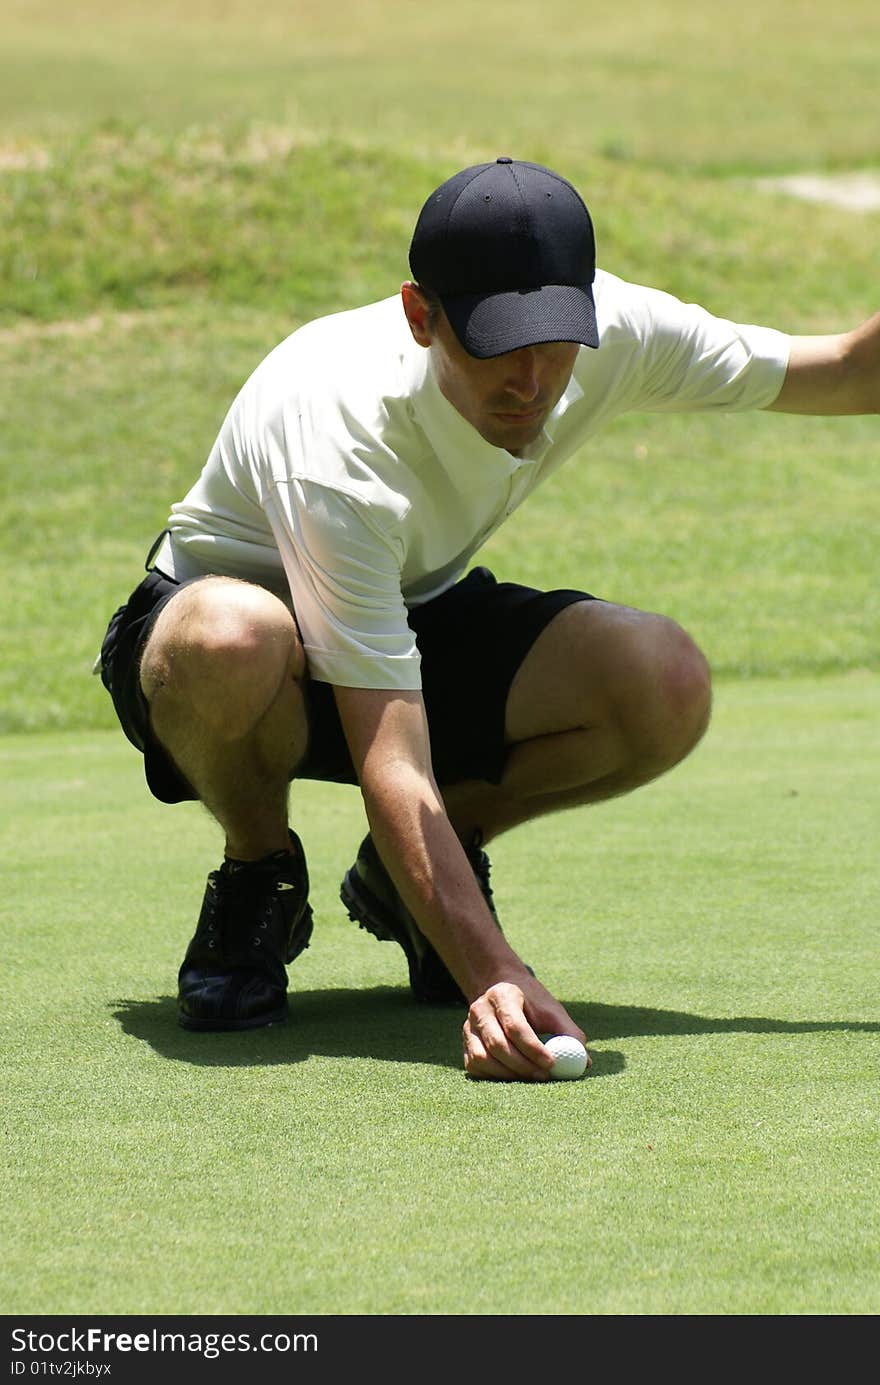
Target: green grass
177, 192
714, 934
770, 86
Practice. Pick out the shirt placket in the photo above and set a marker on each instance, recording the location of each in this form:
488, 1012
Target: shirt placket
521, 480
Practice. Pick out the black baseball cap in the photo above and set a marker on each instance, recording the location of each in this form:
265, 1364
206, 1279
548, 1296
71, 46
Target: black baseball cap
508, 247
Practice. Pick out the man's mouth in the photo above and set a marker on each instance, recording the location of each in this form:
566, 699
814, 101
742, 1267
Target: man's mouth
519, 415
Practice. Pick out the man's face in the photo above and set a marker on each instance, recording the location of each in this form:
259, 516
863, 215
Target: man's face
506, 398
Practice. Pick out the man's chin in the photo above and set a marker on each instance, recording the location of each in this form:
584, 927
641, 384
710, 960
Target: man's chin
513, 436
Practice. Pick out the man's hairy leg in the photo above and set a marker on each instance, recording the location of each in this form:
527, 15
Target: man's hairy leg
222, 673
607, 699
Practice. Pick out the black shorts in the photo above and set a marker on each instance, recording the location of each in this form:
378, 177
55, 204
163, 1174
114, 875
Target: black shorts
472, 640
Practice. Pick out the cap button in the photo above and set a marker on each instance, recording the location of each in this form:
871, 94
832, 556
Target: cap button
504, 160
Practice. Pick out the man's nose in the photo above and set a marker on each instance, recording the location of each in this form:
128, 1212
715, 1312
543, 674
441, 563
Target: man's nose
523, 376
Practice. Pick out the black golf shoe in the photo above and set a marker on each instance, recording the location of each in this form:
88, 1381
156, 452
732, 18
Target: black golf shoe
255, 918
372, 901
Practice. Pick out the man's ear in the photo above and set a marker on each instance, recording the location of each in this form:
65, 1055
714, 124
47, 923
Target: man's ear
418, 313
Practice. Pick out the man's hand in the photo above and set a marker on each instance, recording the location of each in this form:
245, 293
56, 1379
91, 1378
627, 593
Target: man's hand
501, 1032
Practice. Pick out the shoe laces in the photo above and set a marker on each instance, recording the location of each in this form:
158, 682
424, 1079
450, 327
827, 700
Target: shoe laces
232, 886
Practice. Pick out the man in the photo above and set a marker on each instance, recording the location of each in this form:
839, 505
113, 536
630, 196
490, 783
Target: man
305, 615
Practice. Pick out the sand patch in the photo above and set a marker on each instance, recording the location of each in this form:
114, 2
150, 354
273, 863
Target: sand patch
854, 192
93, 325
22, 158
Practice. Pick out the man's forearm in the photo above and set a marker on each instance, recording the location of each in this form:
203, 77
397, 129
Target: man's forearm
835, 374
430, 869
863, 359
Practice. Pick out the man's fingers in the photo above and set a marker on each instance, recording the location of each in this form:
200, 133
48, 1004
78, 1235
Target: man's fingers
501, 1032
509, 1066
498, 1040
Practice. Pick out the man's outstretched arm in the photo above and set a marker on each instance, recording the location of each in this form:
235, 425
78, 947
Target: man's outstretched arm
834, 375
388, 738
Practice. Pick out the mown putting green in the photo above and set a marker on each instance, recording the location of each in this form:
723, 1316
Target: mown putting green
714, 934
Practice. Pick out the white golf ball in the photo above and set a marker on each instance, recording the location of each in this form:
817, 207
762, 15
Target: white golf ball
569, 1054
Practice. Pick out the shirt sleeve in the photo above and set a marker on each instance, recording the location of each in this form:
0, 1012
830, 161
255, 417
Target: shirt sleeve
344, 576
693, 361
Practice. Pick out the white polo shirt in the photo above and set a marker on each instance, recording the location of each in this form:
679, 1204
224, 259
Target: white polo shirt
343, 480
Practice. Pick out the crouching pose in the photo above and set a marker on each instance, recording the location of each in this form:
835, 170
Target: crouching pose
310, 612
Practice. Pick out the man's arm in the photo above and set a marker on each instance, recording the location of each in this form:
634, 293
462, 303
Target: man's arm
387, 735
834, 375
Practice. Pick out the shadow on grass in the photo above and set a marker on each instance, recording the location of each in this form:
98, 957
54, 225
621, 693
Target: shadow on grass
632, 1021
383, 1022
386, 1024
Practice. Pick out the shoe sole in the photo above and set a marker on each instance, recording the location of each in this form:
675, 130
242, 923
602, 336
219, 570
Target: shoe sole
279, 1016
301, 936
366, 911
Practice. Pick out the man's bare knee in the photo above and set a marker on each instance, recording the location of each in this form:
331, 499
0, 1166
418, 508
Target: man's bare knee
220, 651
643, 674
661, 694
684, 686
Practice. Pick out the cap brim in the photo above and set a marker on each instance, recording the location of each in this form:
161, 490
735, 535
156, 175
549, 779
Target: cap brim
490, 325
